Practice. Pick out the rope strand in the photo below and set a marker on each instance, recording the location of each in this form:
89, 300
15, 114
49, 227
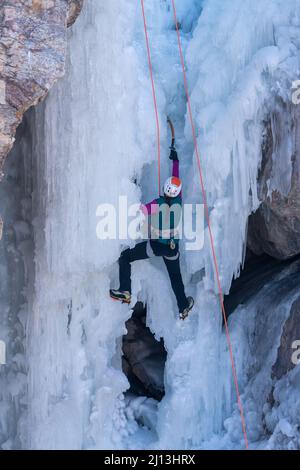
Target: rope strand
210, 229
153, 93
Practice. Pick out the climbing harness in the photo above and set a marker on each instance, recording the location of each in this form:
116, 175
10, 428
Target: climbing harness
215, 262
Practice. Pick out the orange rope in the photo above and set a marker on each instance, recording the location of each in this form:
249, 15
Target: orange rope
210, 230
154, 94
203, 194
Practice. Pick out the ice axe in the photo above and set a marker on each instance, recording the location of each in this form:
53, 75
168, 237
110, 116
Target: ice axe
172, 132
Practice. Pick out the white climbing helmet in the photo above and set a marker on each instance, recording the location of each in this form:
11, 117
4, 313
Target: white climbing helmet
172, 186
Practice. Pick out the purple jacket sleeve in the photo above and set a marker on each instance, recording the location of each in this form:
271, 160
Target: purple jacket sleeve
175, 171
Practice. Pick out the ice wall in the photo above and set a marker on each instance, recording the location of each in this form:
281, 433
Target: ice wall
256, 328
242, 59
16, 270
94, 140
92, 137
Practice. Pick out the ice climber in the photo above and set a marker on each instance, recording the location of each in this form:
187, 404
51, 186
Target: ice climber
164, 215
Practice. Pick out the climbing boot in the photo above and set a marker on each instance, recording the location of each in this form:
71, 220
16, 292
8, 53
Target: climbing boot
183, 315
122, 296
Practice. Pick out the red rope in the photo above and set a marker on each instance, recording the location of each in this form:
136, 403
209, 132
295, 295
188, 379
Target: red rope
154, 94
210, 230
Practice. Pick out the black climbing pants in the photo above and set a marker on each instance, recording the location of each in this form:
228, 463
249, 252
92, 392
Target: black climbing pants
150, 249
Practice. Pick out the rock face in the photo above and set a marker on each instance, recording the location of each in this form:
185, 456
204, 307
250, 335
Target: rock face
275, 227
33, 40
75, 7
257, 272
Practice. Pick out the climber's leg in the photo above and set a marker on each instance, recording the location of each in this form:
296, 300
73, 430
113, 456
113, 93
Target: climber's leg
173, 266
139, 252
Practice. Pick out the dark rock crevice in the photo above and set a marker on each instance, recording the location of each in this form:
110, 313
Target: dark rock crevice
256, 273
274, 228
144, 358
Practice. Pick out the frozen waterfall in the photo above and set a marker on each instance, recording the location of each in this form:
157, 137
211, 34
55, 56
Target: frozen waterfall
92, 141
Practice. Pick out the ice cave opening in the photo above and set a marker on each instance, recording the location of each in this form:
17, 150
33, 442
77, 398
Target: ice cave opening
144, 357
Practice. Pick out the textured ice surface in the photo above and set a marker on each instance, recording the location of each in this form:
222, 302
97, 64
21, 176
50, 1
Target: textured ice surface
94, 140
242, 59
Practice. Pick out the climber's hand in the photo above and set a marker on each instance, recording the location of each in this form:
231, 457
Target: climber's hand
173, 154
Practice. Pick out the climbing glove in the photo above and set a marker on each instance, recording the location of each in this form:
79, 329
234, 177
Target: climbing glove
173, 154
